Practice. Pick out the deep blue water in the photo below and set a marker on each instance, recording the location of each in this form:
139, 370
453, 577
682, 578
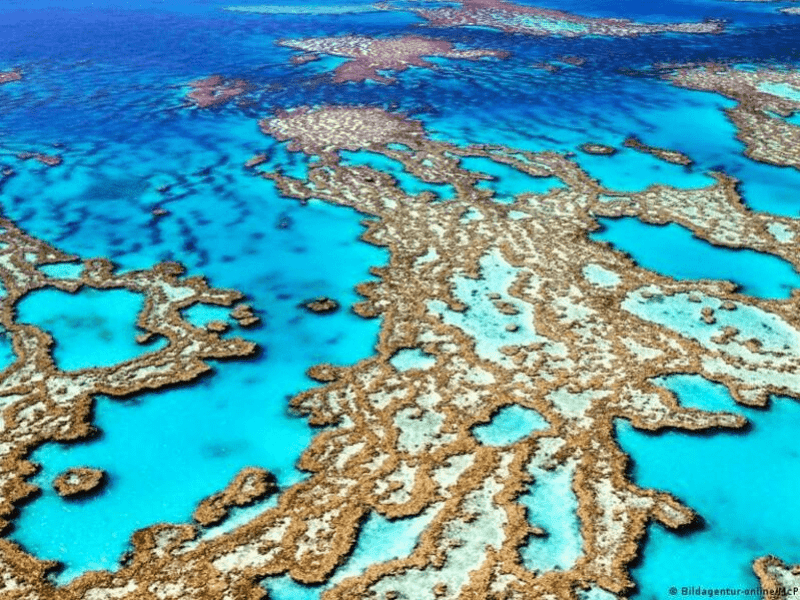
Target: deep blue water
106, 82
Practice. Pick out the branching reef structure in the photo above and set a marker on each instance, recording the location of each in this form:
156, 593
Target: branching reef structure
515, 306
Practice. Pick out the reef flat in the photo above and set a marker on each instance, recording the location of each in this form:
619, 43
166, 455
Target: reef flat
510, 17
583, 353
371, 55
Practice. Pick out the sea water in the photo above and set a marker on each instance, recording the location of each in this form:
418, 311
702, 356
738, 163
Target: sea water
742, 484
674, 251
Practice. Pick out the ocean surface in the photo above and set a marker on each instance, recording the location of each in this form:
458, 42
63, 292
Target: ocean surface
103, 88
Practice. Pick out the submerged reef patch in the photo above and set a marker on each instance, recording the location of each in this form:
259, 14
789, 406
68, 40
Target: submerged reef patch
50, 160
368, 56
670, 156
594, 333
214, 91
9, 76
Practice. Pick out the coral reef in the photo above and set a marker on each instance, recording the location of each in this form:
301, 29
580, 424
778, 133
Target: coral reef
514, 306
79, 481
598, 149
765, 96
9, 76
250, 485
321, 305
531, 20
670, 156
214, 91
51, 160
369, 55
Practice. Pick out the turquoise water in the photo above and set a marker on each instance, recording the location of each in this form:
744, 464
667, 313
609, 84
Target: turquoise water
63, 270
552, 505
7, 355
483, 321
672, 250
784, 90
91, 328
201, 315
107, 83
507, 182
509, 425
744, 485
407, 182
235, 229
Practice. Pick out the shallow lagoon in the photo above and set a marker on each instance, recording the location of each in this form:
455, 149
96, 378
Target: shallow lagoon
91, 328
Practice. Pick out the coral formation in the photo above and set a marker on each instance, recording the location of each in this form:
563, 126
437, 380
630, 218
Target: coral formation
250, 485
369, 55
515, 306
214, 91
765, 96
79, 481
321, 305
531, 20
670, 156
9, 76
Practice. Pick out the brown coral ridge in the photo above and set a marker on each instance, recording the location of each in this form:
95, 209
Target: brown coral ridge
243, 313
250, 485
371, 55
215, 91
760, 115
508, 17
42, 403
321, 305
399, 443
670, 156
79, 482
9, 76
